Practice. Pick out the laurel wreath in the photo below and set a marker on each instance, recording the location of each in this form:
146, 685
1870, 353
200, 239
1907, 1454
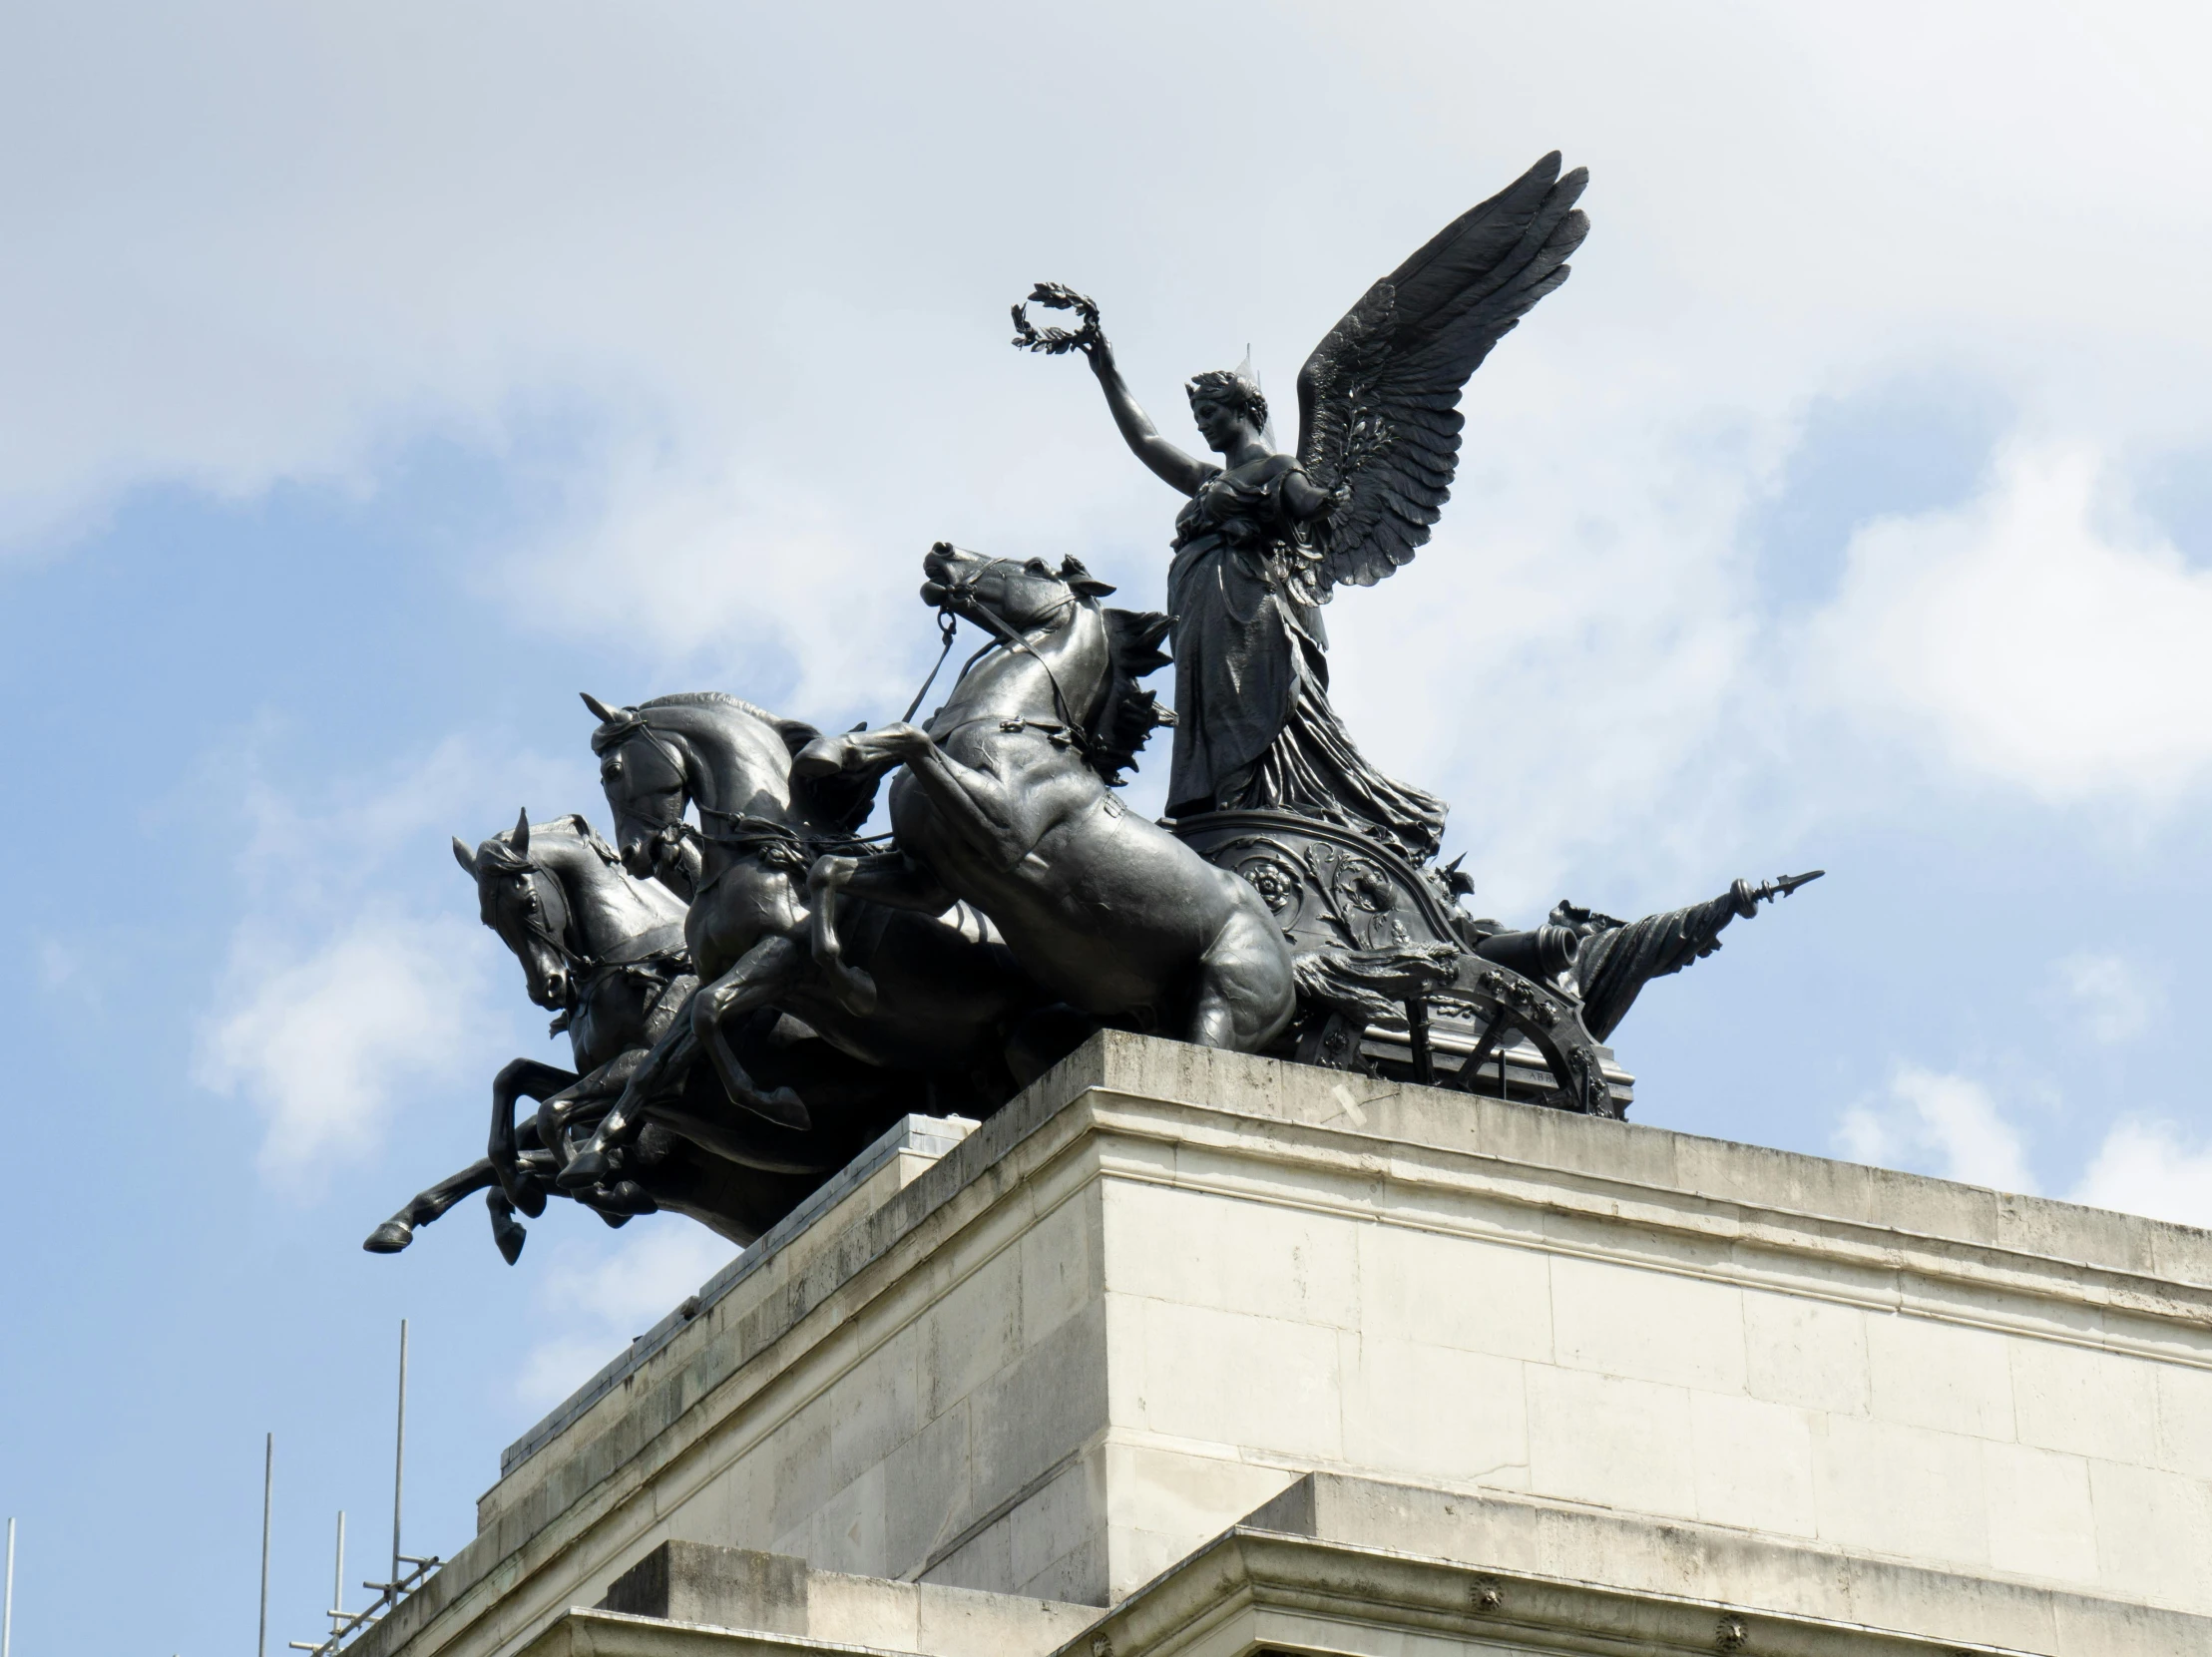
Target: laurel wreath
1054, 341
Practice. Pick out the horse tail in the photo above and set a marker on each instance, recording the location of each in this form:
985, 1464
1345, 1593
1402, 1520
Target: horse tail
1128, 713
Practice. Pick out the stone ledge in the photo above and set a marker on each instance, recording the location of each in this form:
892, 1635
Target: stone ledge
1656, 1226
689, 1598
1788, 1184
1354, 1565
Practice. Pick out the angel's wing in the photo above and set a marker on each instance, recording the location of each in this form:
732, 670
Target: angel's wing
1378, 401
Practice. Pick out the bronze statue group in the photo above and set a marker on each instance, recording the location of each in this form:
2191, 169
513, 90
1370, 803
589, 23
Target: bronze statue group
753, 990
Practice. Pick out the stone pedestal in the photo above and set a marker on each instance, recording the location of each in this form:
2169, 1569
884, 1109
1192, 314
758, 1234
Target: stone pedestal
1599, 1366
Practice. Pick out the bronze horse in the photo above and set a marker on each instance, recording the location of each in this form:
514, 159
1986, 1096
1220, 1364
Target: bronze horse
606, 952
954, 1009
1005, 802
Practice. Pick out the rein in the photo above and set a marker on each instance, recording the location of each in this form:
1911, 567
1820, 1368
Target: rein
947, 623
747, 833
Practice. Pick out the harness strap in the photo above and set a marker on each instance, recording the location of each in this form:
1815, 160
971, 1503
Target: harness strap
963, 591
947, 623
1060, 736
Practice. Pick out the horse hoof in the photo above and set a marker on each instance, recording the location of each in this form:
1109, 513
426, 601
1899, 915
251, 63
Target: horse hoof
391, 1237
585, 1171
784, 1107
822, 757
510, 1239
627, 1196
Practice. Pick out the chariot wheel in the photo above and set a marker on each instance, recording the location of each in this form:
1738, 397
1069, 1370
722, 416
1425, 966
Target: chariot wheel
1500, 1006
1332, 888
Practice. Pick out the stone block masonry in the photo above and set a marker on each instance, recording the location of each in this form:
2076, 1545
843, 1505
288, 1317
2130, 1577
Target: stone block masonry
1055, 1356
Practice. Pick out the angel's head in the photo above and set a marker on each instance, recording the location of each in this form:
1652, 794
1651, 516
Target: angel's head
1229, 408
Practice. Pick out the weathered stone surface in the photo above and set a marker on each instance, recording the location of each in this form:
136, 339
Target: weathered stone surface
686, 1598
1052, 1358
1584, 1576
730, 1587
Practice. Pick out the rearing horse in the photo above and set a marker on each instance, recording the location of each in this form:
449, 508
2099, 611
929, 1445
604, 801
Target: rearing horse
951, 997
1005, 802
606, 952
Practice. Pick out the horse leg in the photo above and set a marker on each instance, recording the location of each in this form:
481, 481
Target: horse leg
398, 1231
893, 880
979, 807
507, 1235
854, 754
1245, 992
523, 1078
585, 1101
595, 1160
762, 973
852, 986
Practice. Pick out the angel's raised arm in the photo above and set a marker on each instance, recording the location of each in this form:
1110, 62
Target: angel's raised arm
1182, 472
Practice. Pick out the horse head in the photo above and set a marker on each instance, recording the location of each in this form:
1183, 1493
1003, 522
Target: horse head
723, 755
526, 904
645, 778
1026, 603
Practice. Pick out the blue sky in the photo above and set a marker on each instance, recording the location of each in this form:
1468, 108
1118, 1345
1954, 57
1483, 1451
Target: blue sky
373, 380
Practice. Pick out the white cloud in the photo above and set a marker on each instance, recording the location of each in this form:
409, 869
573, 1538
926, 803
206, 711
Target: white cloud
1950, 1125
1947, 1124
2026, 638
728, 569
750, 265
323, 1045
2150, 1167
758, 259
342, 999
593, 1298
2113, 999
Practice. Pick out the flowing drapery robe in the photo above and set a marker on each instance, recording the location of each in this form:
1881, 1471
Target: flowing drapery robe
1254, 727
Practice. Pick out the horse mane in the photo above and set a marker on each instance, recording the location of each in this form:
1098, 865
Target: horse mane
500, 851
582, 830
845, 802
1128, 713
713, 698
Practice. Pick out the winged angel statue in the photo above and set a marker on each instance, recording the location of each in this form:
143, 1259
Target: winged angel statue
1267, 538
822, 985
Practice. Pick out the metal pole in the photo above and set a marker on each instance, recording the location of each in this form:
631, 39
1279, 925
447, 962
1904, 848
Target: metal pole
269, 1485
7, 1597
399, 1456
337, 1575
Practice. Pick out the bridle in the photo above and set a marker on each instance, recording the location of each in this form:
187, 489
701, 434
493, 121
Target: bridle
779, 843
651, 955
632, 724
961, 597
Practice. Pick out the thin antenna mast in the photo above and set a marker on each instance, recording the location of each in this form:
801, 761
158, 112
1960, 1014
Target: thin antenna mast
399, 1453
269, 1486
7, 1597
407, 1571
